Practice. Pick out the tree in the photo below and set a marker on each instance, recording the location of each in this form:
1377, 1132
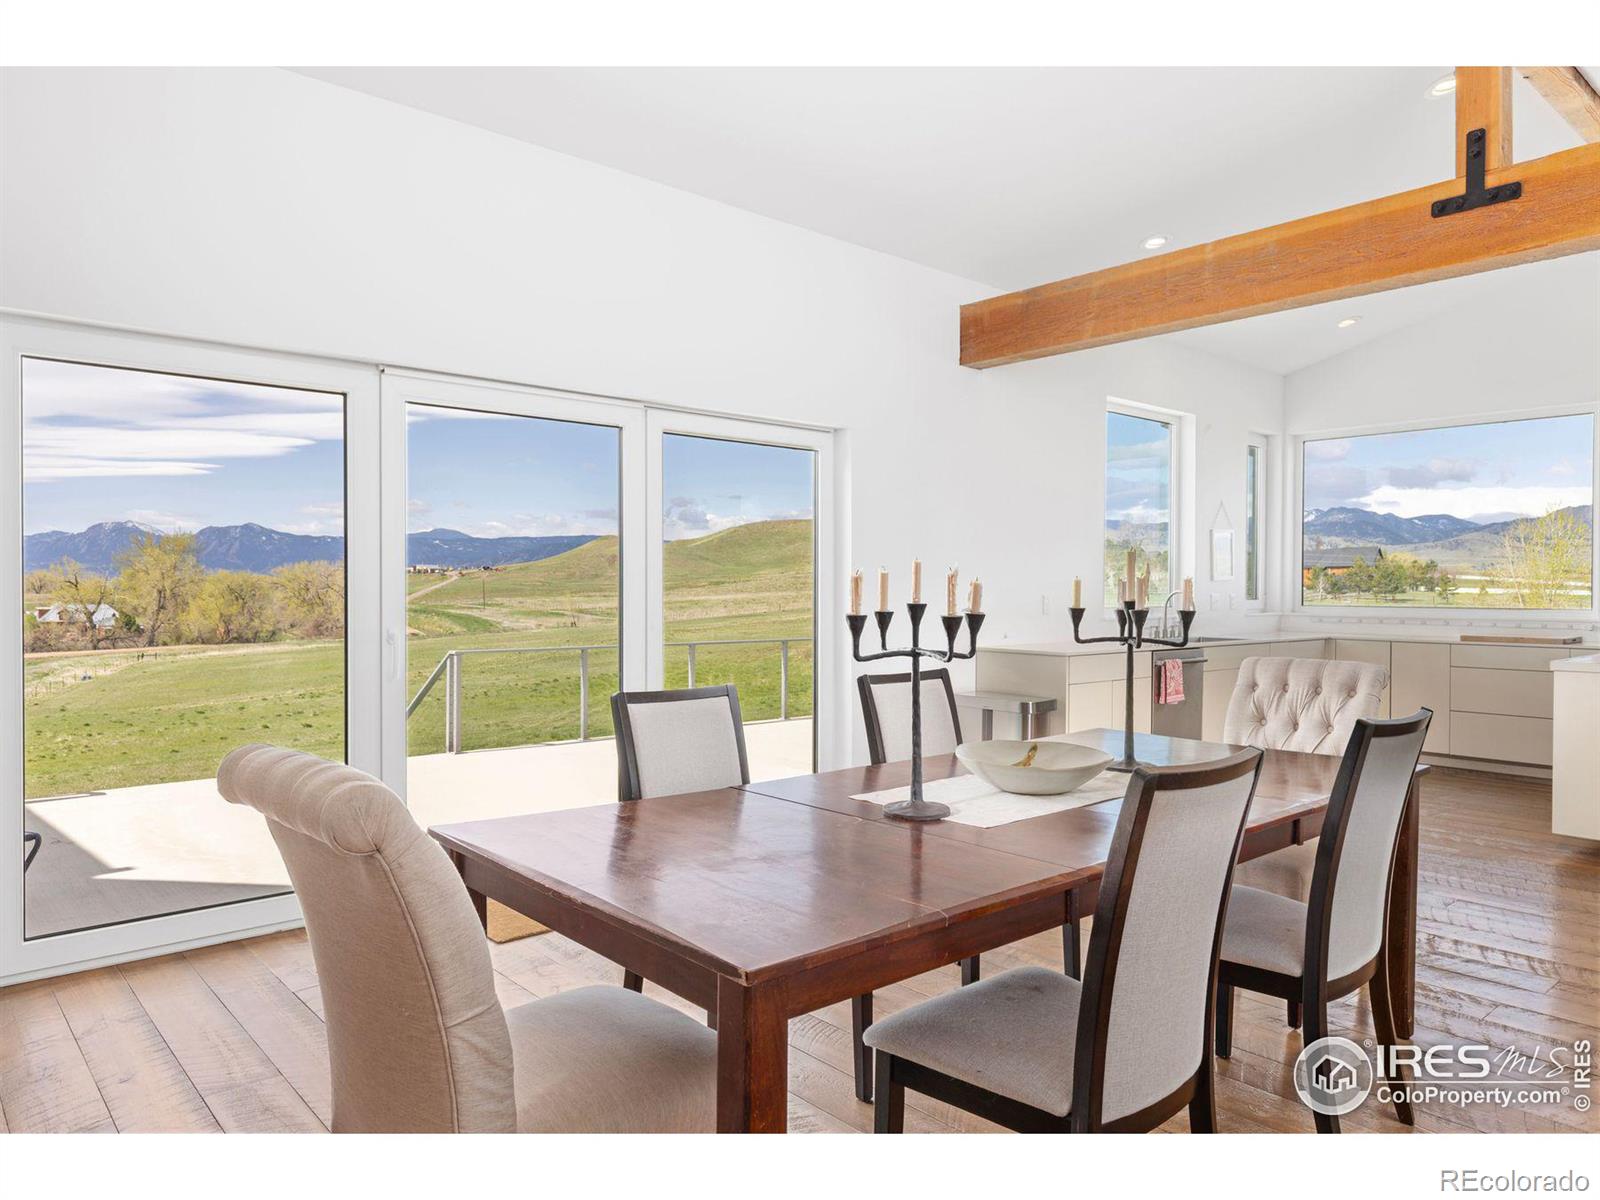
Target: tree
235, 606
1444, 587
81, 594
313, 597
160, 576
1544, 561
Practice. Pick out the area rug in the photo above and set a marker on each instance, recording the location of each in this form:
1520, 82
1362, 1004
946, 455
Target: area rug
508, 926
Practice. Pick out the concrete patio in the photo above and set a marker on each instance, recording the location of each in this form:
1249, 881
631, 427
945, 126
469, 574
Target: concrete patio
137, 852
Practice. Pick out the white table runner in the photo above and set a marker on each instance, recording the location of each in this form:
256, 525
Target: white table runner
974, 801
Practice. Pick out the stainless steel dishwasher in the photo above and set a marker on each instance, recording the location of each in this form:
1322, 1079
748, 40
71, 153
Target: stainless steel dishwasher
1182, 719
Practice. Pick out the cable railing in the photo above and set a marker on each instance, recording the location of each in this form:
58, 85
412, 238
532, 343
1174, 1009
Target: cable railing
449, 669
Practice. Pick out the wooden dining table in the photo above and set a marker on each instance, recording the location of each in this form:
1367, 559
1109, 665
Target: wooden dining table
763, 902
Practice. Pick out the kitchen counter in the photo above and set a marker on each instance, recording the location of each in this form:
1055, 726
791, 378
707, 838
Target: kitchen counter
1440, 637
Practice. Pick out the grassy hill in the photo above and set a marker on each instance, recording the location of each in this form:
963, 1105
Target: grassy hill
127, 717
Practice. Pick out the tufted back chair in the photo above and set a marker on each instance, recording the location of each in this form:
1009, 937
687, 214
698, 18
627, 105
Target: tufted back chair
1303, 704
417, 1041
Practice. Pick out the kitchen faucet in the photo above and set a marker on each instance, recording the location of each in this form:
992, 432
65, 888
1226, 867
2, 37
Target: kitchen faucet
1167, 629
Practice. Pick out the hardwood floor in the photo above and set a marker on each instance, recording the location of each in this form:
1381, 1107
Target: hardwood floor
230, 1038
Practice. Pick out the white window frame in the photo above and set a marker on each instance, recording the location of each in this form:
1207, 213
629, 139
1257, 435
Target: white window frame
1263, 540
21, 337
1180, 493
401, 388
1292, 572
830, 712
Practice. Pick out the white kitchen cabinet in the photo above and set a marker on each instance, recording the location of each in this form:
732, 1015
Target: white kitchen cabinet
1219, 687
1311, 648
1506, 693
1420, 678
1502, 738
1376, 653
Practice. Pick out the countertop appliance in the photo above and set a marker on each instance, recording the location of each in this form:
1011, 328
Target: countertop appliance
1182, 719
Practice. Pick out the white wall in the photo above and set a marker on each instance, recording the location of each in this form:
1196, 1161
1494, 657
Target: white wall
1535, 345
264, 208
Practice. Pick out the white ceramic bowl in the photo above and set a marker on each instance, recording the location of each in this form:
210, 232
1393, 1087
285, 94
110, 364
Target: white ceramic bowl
1058, 766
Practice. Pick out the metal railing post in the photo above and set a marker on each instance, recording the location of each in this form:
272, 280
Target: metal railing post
583, 694
783, 680
692, 646
452, 705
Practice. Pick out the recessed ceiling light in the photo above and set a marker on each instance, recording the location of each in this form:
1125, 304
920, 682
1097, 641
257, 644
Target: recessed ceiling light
1348, 321
1442, 86
1155, 241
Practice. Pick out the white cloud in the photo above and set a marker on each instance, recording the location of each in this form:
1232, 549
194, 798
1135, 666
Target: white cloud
86, 421
1474, 503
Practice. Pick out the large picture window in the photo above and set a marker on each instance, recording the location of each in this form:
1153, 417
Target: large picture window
1496, 516
1138, 501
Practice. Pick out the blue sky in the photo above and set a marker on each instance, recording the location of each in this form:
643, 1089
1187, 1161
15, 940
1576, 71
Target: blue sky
1477, 472
104, 444
1138, 469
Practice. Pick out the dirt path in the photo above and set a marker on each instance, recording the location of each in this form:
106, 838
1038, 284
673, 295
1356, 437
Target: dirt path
432, 587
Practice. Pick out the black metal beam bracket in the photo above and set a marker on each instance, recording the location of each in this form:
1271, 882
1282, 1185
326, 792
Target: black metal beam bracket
1476, 195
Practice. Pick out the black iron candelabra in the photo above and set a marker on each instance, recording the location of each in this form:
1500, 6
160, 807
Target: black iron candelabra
916, 808
1130, 633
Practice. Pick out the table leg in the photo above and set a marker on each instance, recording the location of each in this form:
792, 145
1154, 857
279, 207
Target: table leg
480, 902
752, 1059
1400, 936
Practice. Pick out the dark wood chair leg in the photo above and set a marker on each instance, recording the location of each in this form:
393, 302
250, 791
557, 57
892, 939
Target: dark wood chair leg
1203, 1108
1072, 945
633, 981
1383, 1024
1293, 1014
860, 1018
969, 970
889, 1110
1224, 1045
1315, 1013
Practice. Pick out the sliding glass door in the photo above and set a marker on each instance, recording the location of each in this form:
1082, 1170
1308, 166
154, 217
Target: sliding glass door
737, 574
514, 595
181, 568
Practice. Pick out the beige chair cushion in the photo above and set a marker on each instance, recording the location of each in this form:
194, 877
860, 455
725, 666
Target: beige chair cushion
687, 745
1265, 931
1301, 703
417, 1041
1286, 872
893, 702
1015, 1035
1298, 704
607, 1060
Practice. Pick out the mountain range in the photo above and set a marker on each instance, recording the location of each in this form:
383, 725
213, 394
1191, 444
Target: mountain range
1334, 527
256, 548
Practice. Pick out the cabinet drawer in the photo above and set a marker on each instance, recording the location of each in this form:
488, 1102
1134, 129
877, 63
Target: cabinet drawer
1507, 693
1507, 658
1214, 702
1506, 739
1104, 668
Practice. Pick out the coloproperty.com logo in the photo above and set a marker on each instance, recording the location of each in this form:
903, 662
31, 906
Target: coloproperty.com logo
1334, 1075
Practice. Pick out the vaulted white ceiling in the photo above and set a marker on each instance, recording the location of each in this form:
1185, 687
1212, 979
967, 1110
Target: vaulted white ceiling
1006, 176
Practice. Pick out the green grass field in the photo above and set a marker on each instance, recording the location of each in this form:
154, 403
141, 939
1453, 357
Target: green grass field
152, 716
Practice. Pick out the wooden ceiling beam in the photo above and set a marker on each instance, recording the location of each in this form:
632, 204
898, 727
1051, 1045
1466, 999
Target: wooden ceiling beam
1567, 91
1373, 247
1483, 101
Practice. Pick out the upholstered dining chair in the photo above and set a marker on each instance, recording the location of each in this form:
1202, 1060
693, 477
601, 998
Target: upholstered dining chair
886, 709
1319, 951
1305, 704
677, 741
1131, 1045
417, 1040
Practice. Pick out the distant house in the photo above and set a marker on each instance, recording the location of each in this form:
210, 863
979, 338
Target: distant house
1336, 561
104, 616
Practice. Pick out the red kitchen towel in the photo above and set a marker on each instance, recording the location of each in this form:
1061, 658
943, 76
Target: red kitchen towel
1172, 681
